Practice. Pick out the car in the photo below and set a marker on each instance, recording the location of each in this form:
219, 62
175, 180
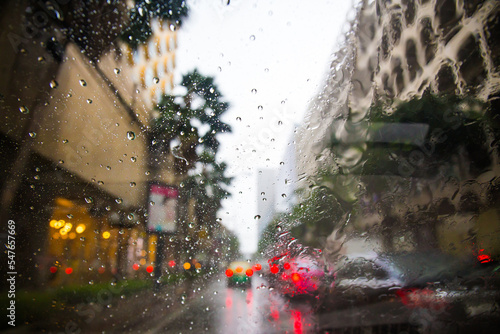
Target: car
296, 277
362, 279
239, 274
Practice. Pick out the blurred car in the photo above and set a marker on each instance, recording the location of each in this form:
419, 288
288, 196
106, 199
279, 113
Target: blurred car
297, 277
239, 273
362, 279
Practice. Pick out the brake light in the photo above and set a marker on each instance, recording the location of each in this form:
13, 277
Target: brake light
295, 278
274, 269
286, 265
249, 272
258, 267
229, 273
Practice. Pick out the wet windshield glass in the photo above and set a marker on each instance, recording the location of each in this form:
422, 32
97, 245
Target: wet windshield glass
189, 166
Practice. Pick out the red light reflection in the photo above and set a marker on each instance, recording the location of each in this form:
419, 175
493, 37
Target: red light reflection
297, 322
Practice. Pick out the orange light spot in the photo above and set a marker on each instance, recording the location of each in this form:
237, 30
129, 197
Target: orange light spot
257, 266
171, 263
187, 266
295, 277
249, 272
69, 270
149, 269
135, 266
239, 269
274, 269
229, 273
53, 269
101, 270
286, 265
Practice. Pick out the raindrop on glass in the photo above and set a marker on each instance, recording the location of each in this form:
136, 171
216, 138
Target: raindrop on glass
256, 217
53, 84
254, 91
83, 83
156, 80
117, 70
132, 184
24, 110
130, 135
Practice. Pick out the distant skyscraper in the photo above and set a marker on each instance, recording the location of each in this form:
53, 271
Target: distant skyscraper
266, 203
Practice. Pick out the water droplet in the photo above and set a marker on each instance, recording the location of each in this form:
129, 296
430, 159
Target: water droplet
256, 217
65, 141
89, 101
280, 122
61, 161
119, 200
151, 203
130, 216
266, 70
53, 84
83, 83
132, 184
252, 37
41, 59
188, 238
32, 134
260, 107
156, 80
24, 110
117, 70
254, 91
108, 167
100, 183
283, 195
133, 159
69, 215
130, 135
82, 238
282, 163
278, 228
283, 102
238, 119
88, 200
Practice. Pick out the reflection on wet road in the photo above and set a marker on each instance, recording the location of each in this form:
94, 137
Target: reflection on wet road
221, 309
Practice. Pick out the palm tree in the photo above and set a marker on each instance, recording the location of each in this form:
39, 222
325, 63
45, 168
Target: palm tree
178, 116
139, 30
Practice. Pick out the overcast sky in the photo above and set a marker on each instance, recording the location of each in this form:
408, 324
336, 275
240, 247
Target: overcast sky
268, 58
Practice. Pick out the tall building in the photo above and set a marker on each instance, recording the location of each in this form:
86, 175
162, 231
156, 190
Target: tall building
398, 51
266, 197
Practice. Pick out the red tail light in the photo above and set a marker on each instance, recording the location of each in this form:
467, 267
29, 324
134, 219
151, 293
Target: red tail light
274, 269
286, 265
257, 267
229, 273
249, 272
